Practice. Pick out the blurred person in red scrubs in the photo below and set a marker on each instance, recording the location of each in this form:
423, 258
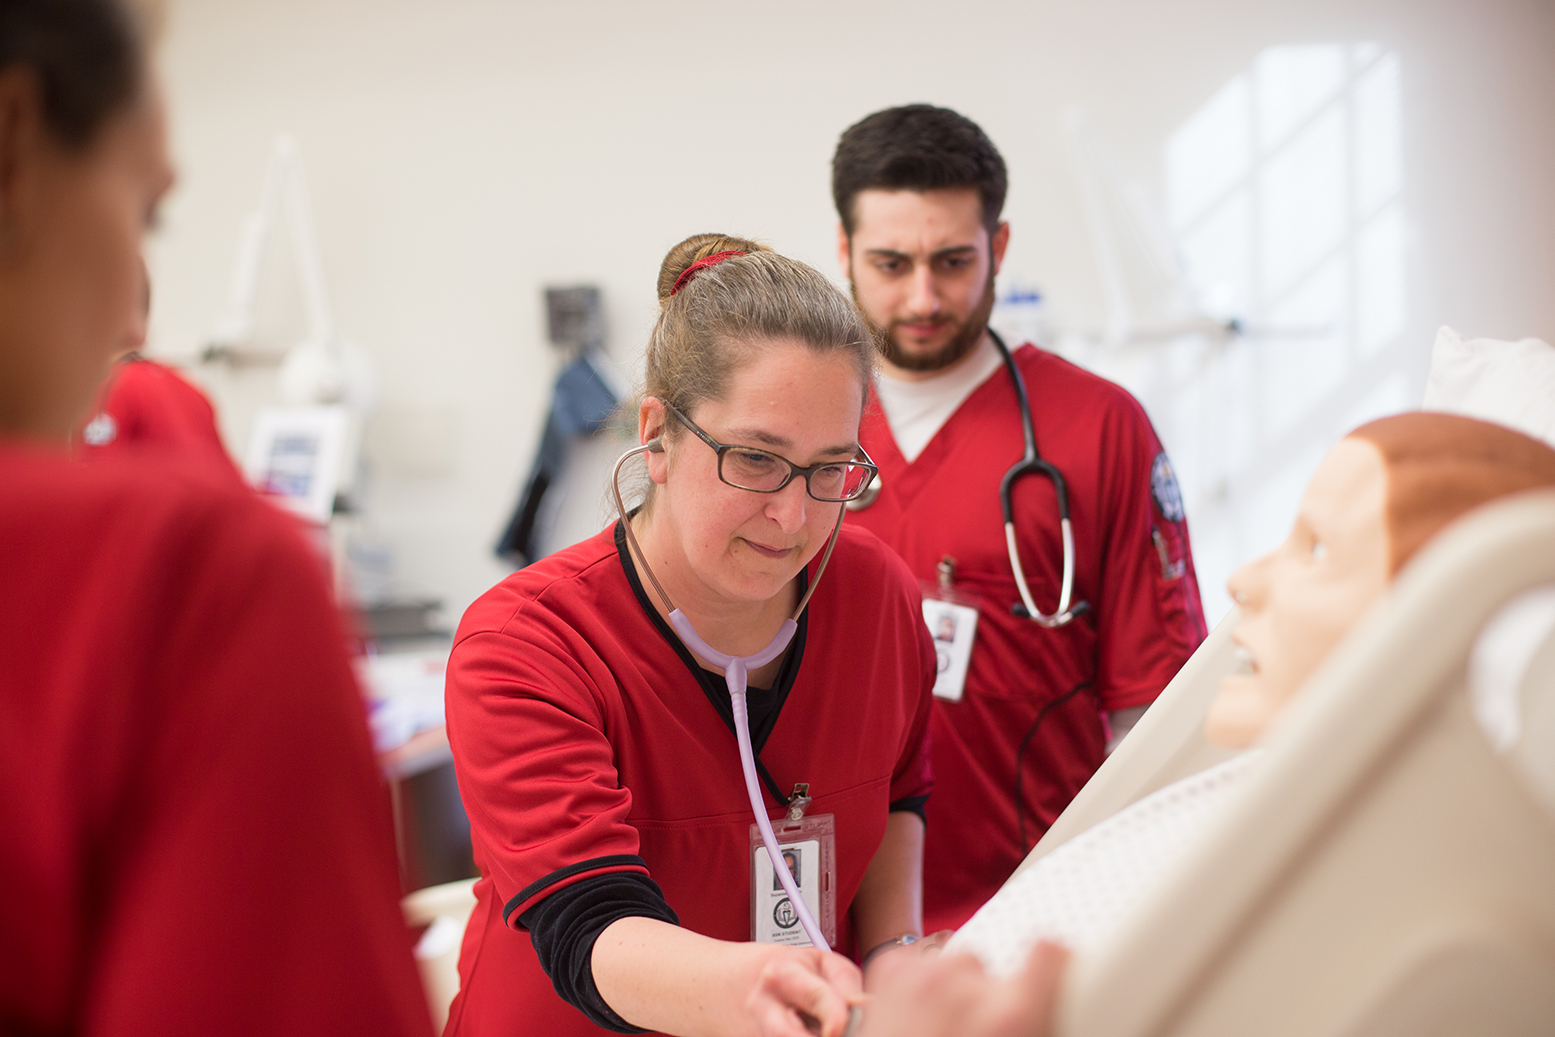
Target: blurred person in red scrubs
146, 404
195, 839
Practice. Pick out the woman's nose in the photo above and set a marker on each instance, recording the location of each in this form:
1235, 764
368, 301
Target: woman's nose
787, 506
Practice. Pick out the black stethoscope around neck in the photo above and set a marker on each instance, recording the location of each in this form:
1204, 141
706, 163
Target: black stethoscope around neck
1033, 464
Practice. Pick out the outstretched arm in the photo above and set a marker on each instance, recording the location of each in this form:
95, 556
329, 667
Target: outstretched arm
662, 977
889, 903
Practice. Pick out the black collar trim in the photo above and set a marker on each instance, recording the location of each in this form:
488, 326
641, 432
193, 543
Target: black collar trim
714, 686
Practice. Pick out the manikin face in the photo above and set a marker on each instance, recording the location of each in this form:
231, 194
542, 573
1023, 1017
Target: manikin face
71, 277
922, 266
1299, 601
732, 546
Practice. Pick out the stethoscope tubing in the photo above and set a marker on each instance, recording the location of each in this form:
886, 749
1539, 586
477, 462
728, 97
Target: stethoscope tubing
735, 670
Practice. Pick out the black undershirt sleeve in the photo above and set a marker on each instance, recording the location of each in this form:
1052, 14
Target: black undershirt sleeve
564, 926
912, 805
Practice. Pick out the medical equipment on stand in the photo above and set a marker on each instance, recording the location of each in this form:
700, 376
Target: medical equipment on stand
324, 368
305, 451
735, 670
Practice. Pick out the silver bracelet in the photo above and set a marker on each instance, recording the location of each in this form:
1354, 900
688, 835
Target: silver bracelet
879, 948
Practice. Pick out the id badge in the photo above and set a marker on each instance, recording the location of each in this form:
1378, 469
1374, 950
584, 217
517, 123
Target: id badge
809, 849
953, 625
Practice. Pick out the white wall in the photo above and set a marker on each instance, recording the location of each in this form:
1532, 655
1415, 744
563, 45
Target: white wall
464, 153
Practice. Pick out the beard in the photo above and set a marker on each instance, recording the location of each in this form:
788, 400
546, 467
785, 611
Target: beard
969, 332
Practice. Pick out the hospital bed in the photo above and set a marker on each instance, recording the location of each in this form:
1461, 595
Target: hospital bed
1387, 869
443, 910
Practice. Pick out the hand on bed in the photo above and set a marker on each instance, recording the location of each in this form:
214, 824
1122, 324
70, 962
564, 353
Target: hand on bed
934, 995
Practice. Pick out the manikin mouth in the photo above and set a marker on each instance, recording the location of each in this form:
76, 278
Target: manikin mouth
1242, 661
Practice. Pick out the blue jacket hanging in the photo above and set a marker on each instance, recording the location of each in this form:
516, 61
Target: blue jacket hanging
581, 404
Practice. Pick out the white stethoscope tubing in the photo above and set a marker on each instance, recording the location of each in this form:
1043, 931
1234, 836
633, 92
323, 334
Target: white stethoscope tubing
1063, 614
735, 669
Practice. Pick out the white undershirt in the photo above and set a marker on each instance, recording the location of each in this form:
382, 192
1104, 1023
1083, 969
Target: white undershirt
916, 410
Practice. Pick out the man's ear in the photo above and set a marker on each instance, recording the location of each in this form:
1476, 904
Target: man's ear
21, 124
844, 252
1000, 242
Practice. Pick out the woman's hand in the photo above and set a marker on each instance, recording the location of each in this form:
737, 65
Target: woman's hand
665, 978
933, 995
802, 992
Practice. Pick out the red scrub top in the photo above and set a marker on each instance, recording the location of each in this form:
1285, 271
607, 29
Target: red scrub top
150, 406
585, 744
196, 840
1132, 564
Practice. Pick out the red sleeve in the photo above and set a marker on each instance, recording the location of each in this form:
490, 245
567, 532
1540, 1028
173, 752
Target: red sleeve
253, 887
536, 770
152, 407
1149, 617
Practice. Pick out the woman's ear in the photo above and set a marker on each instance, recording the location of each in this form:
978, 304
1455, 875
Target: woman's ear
651, 418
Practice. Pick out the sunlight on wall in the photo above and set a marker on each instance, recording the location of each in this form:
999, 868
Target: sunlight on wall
1284, 194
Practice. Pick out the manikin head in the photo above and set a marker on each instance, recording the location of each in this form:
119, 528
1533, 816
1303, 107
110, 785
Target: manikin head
759, 351
919, 191
83, 165
1379, 496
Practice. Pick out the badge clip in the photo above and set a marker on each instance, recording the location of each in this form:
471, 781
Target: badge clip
799, 801
947, 573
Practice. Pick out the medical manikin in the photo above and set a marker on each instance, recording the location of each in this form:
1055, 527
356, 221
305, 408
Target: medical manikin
1381, 494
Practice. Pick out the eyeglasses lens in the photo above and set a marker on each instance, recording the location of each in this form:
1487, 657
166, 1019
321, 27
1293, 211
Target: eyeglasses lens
764, 473
754, 470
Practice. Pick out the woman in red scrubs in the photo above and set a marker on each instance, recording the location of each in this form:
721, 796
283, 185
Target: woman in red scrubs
194, 836
621, 886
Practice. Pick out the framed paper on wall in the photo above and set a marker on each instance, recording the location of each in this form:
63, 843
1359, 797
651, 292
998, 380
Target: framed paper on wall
296, 455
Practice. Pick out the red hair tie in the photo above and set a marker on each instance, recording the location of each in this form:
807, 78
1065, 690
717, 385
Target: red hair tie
702, 264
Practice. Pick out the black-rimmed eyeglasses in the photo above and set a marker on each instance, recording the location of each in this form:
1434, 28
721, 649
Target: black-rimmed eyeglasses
760, 471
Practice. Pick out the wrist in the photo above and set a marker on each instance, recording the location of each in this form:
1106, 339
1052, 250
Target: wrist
889, 945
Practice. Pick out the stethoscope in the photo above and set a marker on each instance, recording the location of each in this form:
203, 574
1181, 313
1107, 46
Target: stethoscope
1030, 464
736, 668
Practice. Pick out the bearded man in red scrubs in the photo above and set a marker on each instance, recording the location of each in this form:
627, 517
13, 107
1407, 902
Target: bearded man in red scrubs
194, 836
1022, 721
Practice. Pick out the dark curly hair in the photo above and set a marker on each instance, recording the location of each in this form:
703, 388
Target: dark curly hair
917, 147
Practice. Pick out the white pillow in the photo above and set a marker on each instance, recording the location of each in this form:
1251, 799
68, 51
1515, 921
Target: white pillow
1511, 383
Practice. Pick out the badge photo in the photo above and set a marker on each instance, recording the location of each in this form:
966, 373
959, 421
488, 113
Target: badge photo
954, 628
